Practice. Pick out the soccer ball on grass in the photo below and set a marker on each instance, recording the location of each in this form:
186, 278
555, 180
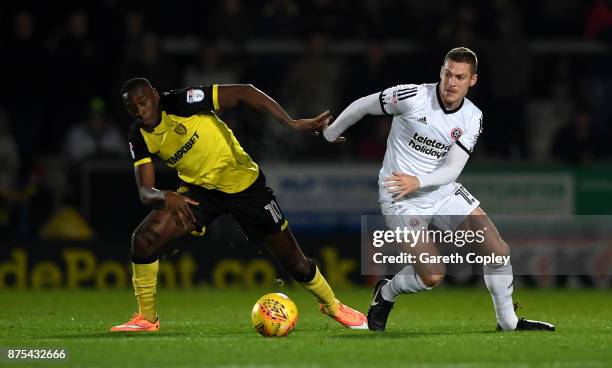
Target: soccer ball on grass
274, 315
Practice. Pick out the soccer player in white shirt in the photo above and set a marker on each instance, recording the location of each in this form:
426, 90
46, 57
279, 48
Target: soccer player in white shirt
434, 130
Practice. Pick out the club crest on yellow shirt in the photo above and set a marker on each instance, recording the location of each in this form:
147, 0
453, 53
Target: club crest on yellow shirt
180, 129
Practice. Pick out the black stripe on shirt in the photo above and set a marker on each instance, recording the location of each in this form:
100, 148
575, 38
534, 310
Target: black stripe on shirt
382, 104
406, 96
404, 90
463, 147
400, 94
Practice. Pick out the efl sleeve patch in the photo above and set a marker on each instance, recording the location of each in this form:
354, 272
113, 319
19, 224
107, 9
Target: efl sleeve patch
188, 101
194, 95
398, 99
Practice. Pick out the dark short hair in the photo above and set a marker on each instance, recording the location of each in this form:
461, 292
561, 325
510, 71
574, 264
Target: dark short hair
130, 84
463, 55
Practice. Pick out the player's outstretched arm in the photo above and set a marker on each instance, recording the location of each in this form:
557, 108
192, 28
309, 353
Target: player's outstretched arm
176, 203
230, 95
368, 105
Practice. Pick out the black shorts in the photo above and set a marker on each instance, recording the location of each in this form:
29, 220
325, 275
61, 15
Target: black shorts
254, 208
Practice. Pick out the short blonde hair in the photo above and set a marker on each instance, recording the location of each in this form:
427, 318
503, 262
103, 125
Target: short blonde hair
463, 55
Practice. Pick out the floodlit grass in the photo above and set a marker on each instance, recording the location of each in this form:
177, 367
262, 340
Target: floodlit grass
441, 328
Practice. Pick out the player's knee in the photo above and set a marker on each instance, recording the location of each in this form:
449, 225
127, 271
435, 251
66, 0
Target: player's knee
431, 281
142, 245
501, 248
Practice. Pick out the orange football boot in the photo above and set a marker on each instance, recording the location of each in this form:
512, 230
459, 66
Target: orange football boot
348, 317
137, 324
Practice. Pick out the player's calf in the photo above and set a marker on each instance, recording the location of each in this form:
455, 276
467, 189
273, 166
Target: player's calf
409, 281
287, 252
302, 270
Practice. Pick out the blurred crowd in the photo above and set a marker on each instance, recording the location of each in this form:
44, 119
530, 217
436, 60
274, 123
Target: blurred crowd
545, 76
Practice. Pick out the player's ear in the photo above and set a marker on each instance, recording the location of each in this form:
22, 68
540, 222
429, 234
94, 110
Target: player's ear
156, 94
473, 79
441, 71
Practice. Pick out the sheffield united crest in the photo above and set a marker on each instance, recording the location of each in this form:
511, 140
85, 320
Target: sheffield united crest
456, 133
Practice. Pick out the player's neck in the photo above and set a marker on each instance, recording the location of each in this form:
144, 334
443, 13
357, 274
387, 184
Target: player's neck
447, 106
451, 106
150, 128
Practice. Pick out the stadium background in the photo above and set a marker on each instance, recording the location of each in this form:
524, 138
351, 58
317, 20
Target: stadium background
68, 202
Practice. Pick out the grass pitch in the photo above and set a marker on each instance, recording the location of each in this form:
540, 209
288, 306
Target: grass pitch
200, 327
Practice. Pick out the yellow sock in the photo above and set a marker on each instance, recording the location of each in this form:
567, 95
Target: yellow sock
145, 287
319, 287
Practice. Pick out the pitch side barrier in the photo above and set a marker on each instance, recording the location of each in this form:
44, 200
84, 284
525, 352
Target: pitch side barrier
197, 263
544, 250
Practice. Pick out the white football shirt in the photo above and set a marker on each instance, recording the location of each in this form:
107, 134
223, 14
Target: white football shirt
422, 133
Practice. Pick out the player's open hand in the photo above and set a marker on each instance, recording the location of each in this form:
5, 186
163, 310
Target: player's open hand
312, 125
178, 205
400, 184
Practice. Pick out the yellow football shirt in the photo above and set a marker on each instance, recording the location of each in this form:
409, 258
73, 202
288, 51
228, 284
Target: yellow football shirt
192, 140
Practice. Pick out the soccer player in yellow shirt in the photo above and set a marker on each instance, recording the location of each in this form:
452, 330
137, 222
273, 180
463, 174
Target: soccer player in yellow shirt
218, 177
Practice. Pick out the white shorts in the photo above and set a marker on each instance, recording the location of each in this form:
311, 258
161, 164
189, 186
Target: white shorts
445, 213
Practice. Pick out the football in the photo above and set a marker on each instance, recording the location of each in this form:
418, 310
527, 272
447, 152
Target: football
274, 315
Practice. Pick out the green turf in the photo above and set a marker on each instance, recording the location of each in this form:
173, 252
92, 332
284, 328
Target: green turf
445, 327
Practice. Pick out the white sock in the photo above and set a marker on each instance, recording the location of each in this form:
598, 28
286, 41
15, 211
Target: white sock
404, 282
499, 281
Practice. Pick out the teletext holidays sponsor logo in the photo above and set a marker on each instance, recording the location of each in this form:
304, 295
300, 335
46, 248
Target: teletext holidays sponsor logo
186, 147
428, 146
